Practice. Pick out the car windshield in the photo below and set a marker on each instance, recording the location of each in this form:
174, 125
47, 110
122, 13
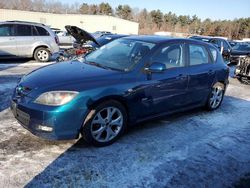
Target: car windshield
121, 54
242, 47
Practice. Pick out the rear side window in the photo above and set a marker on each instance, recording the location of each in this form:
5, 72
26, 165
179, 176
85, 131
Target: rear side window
213, 53
6, 30
170, 55
42, 32
23, 30
197, 55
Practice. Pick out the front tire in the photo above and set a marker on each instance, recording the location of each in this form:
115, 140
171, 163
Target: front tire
105, 124
42, 54
215, 97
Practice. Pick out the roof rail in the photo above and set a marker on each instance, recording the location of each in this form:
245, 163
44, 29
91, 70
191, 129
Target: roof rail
18, 21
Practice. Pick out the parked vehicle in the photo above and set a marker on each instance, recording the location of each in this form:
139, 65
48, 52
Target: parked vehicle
84, 43
98, 34
65, 38
232, 43
126, 81
242, 70
222, 44
224, 47
201, 38
27, 39
240, 50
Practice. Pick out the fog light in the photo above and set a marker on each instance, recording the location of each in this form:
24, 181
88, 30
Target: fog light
45, 128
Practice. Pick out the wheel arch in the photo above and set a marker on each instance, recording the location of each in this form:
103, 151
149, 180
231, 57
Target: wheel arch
116, 98
40, 46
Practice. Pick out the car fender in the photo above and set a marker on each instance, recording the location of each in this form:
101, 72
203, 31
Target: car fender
40, 44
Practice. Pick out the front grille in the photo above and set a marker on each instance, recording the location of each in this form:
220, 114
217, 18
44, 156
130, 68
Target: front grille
23, 117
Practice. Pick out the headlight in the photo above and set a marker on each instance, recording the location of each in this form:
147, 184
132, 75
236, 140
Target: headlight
56, 98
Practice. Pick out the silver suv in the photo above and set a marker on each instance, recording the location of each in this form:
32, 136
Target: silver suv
27, 39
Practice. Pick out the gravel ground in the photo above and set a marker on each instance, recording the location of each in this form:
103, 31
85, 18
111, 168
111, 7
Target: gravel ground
191, 149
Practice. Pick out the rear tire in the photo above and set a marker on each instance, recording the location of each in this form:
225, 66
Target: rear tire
42, 54
215, 97
105, 124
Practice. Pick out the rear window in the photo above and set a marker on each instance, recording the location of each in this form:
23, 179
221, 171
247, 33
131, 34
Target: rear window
23, 30
42, 32
213, 53
6, 30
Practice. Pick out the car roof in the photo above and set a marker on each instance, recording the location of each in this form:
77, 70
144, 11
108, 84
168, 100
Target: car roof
113, 36
22, 22
149, 38
163, 39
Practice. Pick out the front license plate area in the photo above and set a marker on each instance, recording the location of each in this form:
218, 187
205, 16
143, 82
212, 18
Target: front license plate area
13, 108
21, 116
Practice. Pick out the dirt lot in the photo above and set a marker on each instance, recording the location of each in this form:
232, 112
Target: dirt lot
192, 149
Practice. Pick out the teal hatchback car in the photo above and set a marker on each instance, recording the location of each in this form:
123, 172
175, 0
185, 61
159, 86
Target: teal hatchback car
129, 80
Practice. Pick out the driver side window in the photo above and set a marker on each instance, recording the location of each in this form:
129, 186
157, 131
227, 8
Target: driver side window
170, 55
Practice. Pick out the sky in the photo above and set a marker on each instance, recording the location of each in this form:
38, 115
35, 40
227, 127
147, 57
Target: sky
213, 9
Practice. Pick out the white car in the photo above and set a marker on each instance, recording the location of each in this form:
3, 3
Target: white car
27, 39
65, 38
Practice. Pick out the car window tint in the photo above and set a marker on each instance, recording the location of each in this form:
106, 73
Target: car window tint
42, 31
197, 55
34, 31
171, 56
214, 54
23, 30
6, 30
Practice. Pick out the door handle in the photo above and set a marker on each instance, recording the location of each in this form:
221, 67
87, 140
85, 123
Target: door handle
181, 77
210, 72
11, 38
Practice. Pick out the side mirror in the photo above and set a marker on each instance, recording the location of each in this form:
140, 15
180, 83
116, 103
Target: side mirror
156, 67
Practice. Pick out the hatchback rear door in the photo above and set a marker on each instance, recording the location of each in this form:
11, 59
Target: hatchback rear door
201, 73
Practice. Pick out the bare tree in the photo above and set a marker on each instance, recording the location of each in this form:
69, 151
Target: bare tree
38, 5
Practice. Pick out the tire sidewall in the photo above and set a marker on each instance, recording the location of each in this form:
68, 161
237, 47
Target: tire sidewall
86, 129
36, 57
208, 105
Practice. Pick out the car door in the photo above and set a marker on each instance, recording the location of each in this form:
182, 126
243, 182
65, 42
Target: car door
200, 72
166, 91
24, 39
7, 40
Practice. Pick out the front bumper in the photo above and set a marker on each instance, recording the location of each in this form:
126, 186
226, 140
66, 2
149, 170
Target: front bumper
236, 58
52, 123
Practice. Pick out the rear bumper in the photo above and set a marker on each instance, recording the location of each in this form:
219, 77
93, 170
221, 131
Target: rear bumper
54, 48
51, 124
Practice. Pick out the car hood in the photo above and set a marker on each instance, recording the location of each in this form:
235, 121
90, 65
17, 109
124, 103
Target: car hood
80, 35
72, 75
239, 52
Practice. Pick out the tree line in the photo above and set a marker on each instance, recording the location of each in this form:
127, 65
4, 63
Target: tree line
149, 21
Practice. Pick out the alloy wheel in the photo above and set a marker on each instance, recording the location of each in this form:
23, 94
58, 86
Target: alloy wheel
216, 97
107, 124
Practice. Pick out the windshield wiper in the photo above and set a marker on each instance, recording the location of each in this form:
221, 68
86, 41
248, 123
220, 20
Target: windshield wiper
102, 66
96, 64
